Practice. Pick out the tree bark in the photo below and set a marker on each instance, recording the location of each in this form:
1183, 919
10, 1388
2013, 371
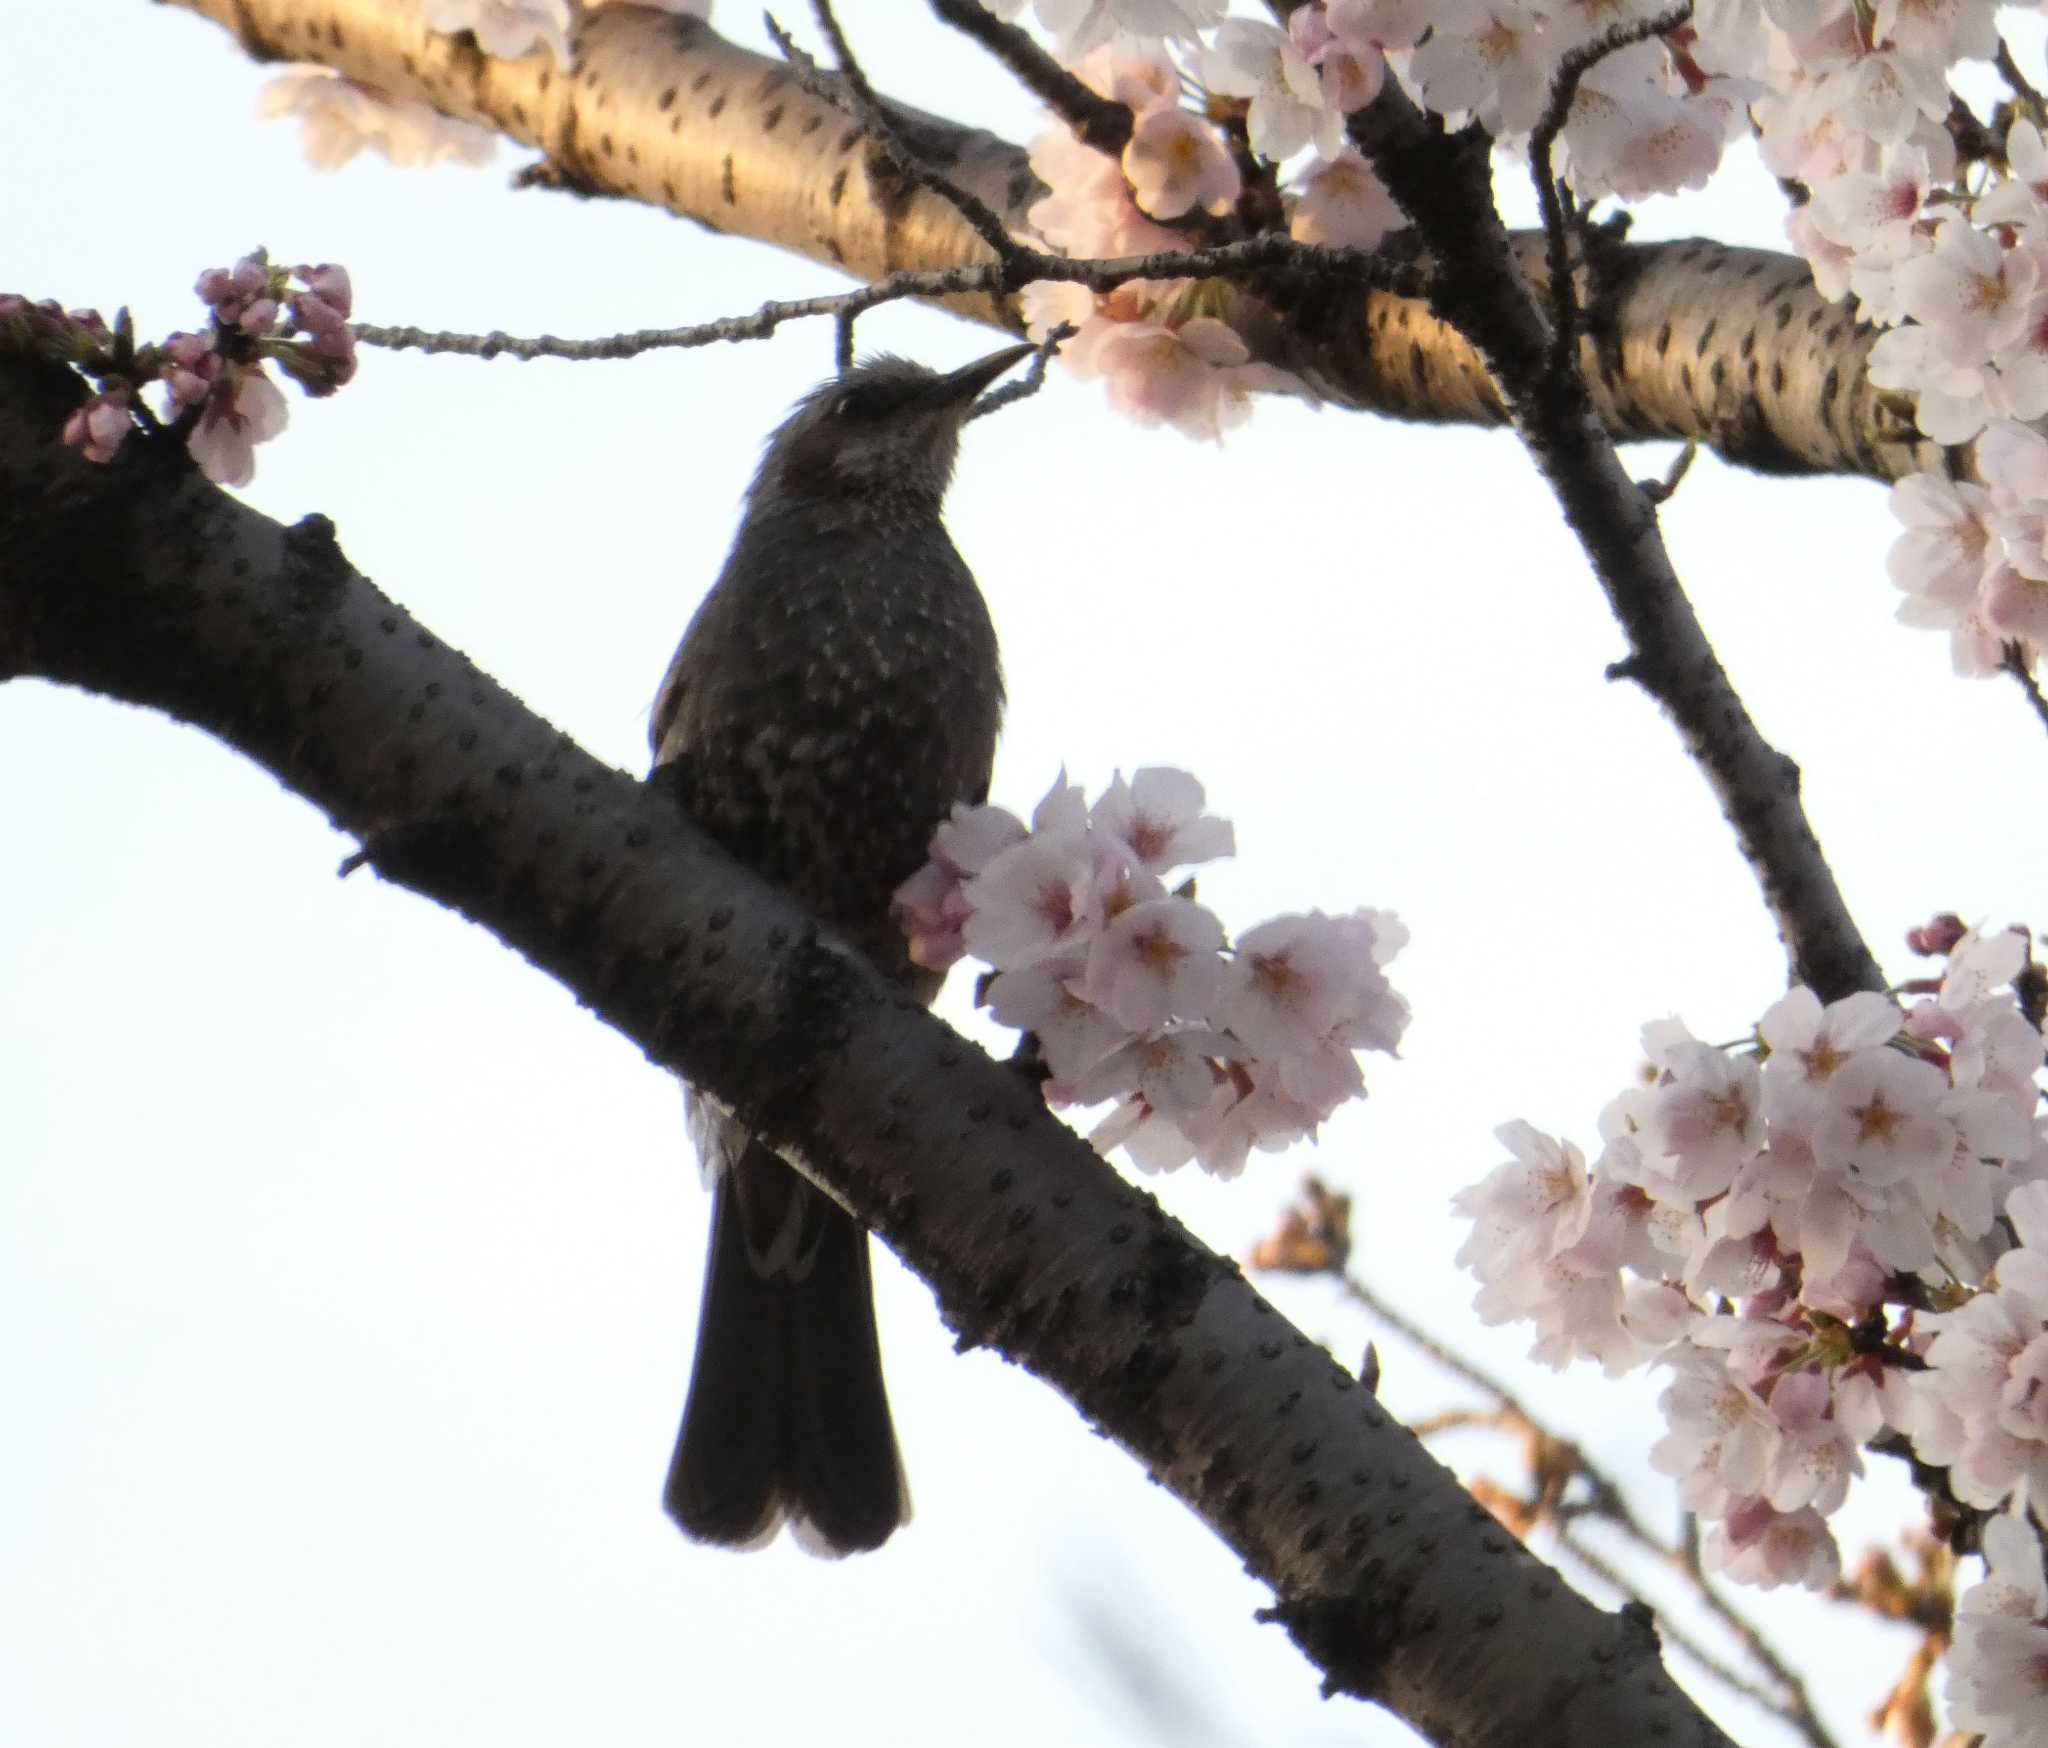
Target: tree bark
141, 581
1732, 348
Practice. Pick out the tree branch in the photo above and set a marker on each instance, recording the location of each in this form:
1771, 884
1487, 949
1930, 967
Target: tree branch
1445, 186
141, 581
1730, 347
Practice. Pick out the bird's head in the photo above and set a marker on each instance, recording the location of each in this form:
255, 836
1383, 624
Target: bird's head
884, 433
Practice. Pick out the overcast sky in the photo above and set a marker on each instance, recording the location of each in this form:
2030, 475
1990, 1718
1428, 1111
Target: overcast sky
348, 1269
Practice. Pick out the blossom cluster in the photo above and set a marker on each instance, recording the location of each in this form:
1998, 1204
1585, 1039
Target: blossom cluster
1206, 1048
1216, 102
1164, 347
1951, 259
1998, 1657
1973, 559
1833, 1233
212, 387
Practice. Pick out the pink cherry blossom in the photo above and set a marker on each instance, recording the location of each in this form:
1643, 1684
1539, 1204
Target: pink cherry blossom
1159, 960
1288, 111
1490, 63
1343, 202
1079, 27
1175, 161
1140, 79
505, 29
1195, 376
1998, 1664
98, 427
1534, 1206
340, 118
1033, 902
1756, 1545
1158, 817
245, 408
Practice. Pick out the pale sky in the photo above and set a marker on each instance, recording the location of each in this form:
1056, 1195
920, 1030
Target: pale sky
348, 1269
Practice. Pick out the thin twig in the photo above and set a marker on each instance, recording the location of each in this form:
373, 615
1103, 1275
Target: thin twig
2009, 71
1550, 195
1610, 1504
1030, 382
852, 94
1672, 1634
2014, 661
1097, 121
1662, 490
1246, 260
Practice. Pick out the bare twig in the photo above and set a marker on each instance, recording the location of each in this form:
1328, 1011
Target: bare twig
1608, 1503
1097, 121
852, 93
2009, 71
1030, 382
2014, 662
1550, 193
1686, 1645
1662, 491
1250, 259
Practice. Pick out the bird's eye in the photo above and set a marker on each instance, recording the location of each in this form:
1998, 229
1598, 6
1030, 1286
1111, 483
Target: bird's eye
854, 405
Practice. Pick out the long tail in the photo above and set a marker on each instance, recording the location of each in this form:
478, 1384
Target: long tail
787, 1415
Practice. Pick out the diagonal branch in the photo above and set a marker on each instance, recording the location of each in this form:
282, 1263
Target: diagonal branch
141, 581
1730, 347
1445, 186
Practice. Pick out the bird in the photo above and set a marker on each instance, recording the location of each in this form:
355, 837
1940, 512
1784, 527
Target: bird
837, 692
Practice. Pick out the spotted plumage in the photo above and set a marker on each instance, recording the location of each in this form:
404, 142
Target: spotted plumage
837, 692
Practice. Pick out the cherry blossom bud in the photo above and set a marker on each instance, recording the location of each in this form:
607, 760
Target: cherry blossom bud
96, 430
1938, 936
330, 283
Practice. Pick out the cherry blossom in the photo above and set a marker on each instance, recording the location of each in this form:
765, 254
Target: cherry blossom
1488, 61
1288, 110
1343, 202
1998, 1663
1533, 1207
245, 408
1159, 960
98, 428
1137, 997
1081, 26
1157, 816
1196, 376
1800, 1195
1175, 161
339, 118
505, 29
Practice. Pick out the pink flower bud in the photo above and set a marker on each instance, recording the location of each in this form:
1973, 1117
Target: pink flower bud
330, 283
187, 349
1938, 936
98, 428
259, 318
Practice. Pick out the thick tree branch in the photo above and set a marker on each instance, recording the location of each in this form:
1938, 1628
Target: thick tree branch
1730, 347
1445, 186
143, 582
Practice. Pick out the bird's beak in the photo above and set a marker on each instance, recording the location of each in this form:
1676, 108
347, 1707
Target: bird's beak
959, 388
